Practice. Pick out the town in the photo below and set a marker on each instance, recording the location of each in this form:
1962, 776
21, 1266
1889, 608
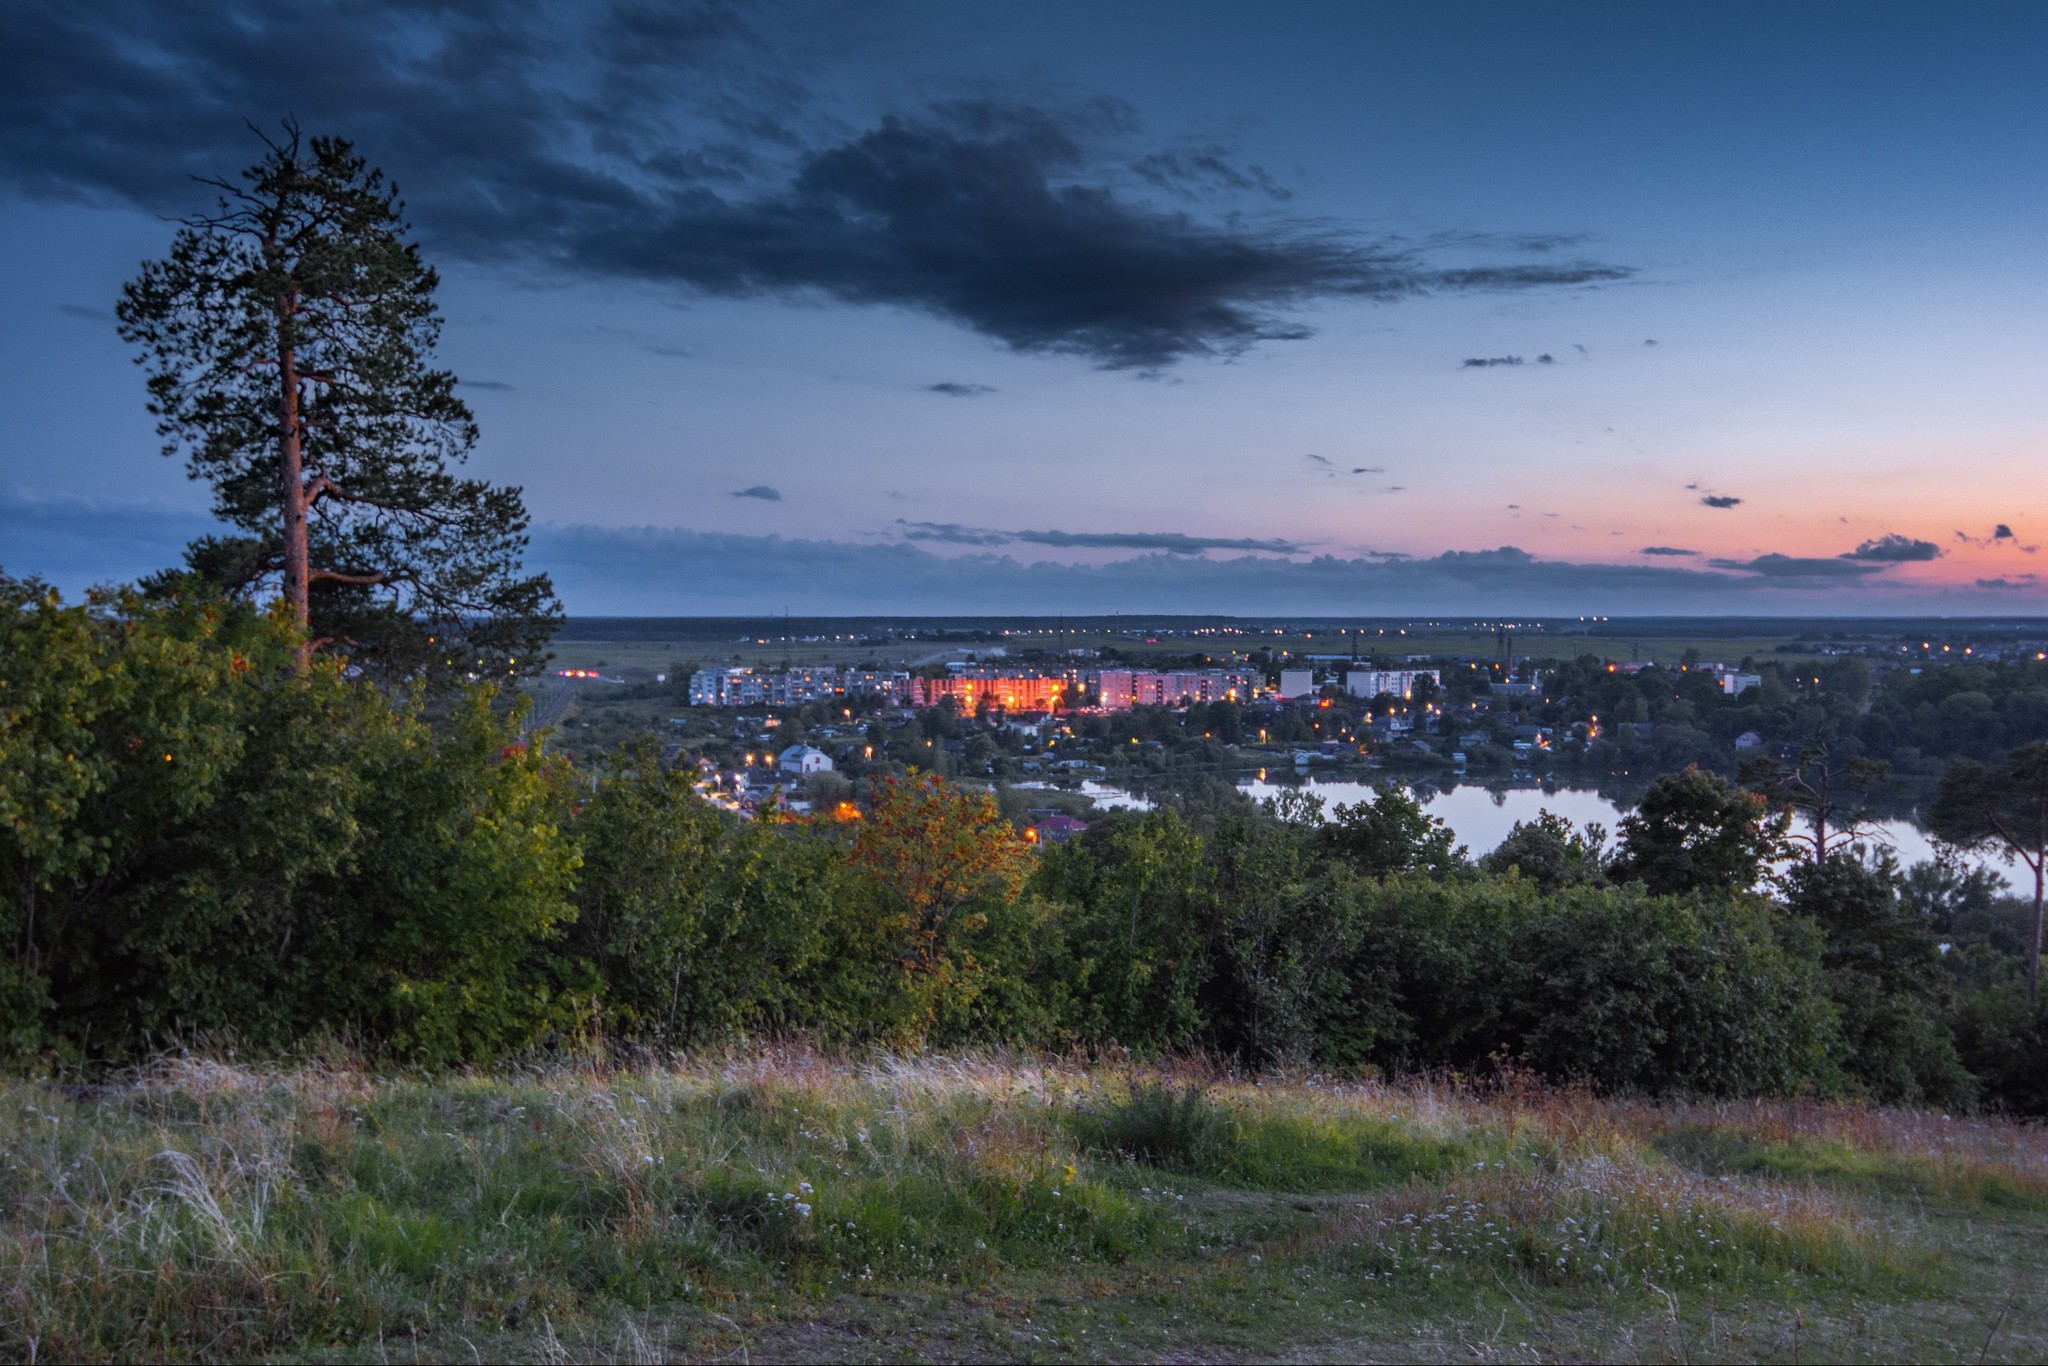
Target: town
1429, 703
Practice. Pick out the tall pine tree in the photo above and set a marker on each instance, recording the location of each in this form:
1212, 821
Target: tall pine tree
290, 339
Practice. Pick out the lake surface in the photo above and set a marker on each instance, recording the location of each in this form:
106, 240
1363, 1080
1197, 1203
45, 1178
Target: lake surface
1481, 817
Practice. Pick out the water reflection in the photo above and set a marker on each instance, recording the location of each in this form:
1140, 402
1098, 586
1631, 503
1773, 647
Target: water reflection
1481, 816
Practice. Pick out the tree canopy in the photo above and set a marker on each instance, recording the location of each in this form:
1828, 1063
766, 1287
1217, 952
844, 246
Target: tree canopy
1694, 832
2004, 807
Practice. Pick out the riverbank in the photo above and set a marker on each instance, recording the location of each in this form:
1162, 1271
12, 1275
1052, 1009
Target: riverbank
778, 1204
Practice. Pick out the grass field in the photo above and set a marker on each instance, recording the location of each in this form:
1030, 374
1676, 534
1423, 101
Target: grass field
584, 645
777, 1205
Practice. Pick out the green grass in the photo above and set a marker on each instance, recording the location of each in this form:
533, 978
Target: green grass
1843, 1165
782, 1205
1268, 1143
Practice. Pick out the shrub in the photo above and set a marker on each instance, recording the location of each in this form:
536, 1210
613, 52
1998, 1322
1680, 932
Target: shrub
1628, 991
204, 839
1183, 1130
695, 924
1135, 960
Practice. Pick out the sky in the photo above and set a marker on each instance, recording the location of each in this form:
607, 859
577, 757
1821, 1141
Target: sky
1373, 309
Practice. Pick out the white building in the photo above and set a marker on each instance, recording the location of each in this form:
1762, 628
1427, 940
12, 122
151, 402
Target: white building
1734, 685
742, 687
1370, 683
1122, 689
803, 760
1297, 683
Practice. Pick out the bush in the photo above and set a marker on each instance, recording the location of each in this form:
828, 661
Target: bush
695, 924
1884, 973
1183, 1130
1628, 991
205, 840
1135, 961
2005, 1046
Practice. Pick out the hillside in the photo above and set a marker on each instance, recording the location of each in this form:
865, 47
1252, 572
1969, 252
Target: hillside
776, 1204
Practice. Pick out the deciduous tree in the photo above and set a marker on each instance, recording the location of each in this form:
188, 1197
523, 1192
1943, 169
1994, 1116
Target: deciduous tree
943, 861
1694, 832
2005, 807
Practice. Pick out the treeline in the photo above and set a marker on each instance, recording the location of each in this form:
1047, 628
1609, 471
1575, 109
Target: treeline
205, 840
1917, 722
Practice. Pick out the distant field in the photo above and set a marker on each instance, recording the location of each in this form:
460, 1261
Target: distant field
642, 647
777, 1205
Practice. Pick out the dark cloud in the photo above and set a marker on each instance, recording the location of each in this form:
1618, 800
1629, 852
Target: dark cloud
1501, 557
495, 385
1169, 542
98, 315
1546, 359
965, 215
1665, 550
1203, 172
761, 491
2014, 583
1650, 342
1775, 566
2003, 533
1895, 549
1368, 469
1488, 362
675, 145
952, 390
952, 533
1320, 460
1720, 500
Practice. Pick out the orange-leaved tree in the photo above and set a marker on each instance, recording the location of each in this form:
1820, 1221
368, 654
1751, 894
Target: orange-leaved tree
943, 858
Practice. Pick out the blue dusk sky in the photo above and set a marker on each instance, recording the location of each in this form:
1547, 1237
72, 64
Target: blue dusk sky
1372, 309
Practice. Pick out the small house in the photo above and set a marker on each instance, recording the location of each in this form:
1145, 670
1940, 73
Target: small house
804, 760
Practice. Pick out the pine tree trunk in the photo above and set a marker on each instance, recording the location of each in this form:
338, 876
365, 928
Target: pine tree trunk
297, 555
2034, 961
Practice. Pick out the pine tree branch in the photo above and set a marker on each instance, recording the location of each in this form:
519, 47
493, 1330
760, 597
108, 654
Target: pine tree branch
361, 580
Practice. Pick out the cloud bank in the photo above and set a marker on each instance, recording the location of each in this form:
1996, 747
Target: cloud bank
665, 571
1776, 566
1171, 542
668, 571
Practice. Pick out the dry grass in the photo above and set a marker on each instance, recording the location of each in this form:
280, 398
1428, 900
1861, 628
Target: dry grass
205, 1209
